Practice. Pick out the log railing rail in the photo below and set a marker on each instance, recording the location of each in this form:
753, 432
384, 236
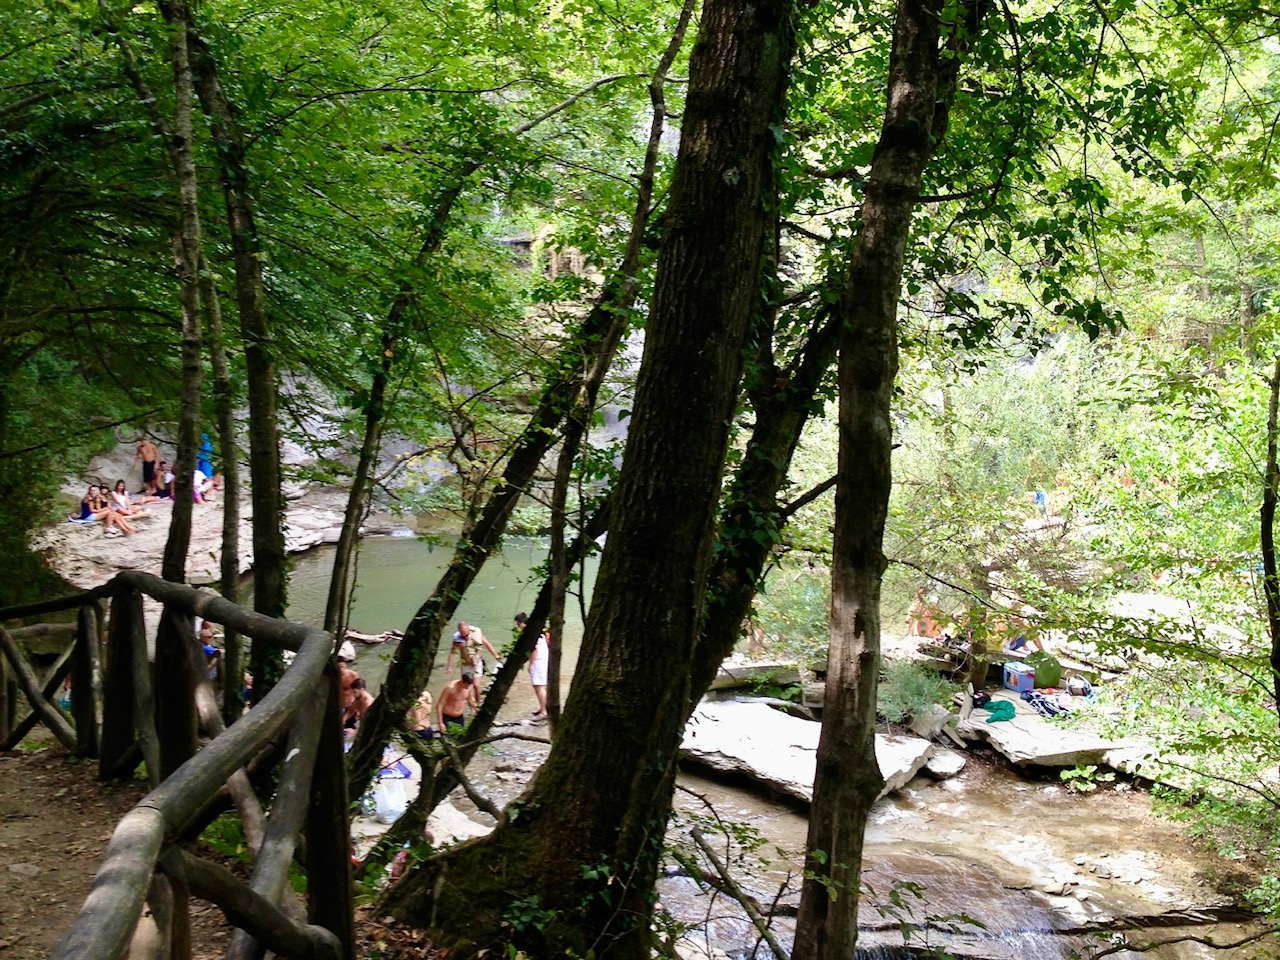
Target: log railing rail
145, 864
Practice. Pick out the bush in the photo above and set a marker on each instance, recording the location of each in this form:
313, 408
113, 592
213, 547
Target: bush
909, 690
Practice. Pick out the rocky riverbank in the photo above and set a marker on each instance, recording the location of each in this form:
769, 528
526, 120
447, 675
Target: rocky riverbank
84, 557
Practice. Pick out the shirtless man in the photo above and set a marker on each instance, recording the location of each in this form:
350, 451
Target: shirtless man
149, 454
361, 701
466, 644
456, 696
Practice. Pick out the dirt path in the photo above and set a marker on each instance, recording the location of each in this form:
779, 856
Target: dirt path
55, 821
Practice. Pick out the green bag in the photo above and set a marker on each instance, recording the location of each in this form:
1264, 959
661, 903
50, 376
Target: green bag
1048, 669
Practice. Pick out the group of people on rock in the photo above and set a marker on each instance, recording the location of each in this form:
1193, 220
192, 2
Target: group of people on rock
114, 507
460, 696
157, 477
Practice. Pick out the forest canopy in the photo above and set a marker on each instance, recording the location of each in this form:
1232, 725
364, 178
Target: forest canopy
341, 222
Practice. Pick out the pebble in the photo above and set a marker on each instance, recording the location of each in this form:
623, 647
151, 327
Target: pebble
24, 869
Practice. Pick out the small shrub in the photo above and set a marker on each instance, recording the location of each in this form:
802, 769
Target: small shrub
909, 690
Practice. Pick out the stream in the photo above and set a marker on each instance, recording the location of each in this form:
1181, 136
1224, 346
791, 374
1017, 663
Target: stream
986, 865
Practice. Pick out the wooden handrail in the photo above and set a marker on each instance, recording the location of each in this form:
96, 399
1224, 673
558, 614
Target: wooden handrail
61, 603
111, 912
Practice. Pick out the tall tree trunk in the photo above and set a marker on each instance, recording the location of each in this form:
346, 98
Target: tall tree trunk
187, 259
588, 834
1267, 522
358, 499
229, 445
375, 411
922, 71
266, 497
599, 335
582, 365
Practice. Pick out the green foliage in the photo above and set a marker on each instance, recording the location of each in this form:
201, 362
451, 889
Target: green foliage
527, 915
791, 609
908, 689
764, 683
1085, 777
225, 837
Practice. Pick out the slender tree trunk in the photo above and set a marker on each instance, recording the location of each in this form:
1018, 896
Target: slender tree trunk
361, 486
375, 413
582, 403
266, 496
1267, 521
588, 834
592, 349
187, 260
922, 72
229, 581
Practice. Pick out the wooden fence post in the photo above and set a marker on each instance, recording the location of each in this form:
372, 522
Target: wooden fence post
49, 714
6, 719
331, 899
177, 720
11, 693
84, 709
118, 750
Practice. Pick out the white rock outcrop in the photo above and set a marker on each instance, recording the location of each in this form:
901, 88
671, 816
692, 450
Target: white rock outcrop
781, 751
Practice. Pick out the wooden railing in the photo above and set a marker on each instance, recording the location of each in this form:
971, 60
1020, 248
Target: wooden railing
296, 729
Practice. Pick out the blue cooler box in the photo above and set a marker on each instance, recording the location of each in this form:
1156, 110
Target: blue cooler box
1019, 677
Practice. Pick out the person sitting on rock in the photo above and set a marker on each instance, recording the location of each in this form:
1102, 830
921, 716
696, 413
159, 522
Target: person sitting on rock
95, 506
121, 502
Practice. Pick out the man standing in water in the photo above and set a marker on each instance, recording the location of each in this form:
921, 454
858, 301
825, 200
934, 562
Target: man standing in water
456, 696
466, 644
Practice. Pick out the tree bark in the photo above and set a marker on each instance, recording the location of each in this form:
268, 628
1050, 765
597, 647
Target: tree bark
1267, 522
587, 836
186, 248
922, 71
266, 497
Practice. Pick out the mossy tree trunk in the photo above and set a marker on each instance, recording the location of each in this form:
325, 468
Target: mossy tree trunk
585, 840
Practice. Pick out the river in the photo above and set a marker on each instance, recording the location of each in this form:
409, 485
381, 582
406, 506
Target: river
394, 575
1015, 863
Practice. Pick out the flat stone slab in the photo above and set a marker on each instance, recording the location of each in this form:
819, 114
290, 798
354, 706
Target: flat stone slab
1031, 740
945, 763
447, 824
781, 751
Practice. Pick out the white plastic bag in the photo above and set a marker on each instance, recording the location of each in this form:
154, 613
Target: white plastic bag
390, 800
